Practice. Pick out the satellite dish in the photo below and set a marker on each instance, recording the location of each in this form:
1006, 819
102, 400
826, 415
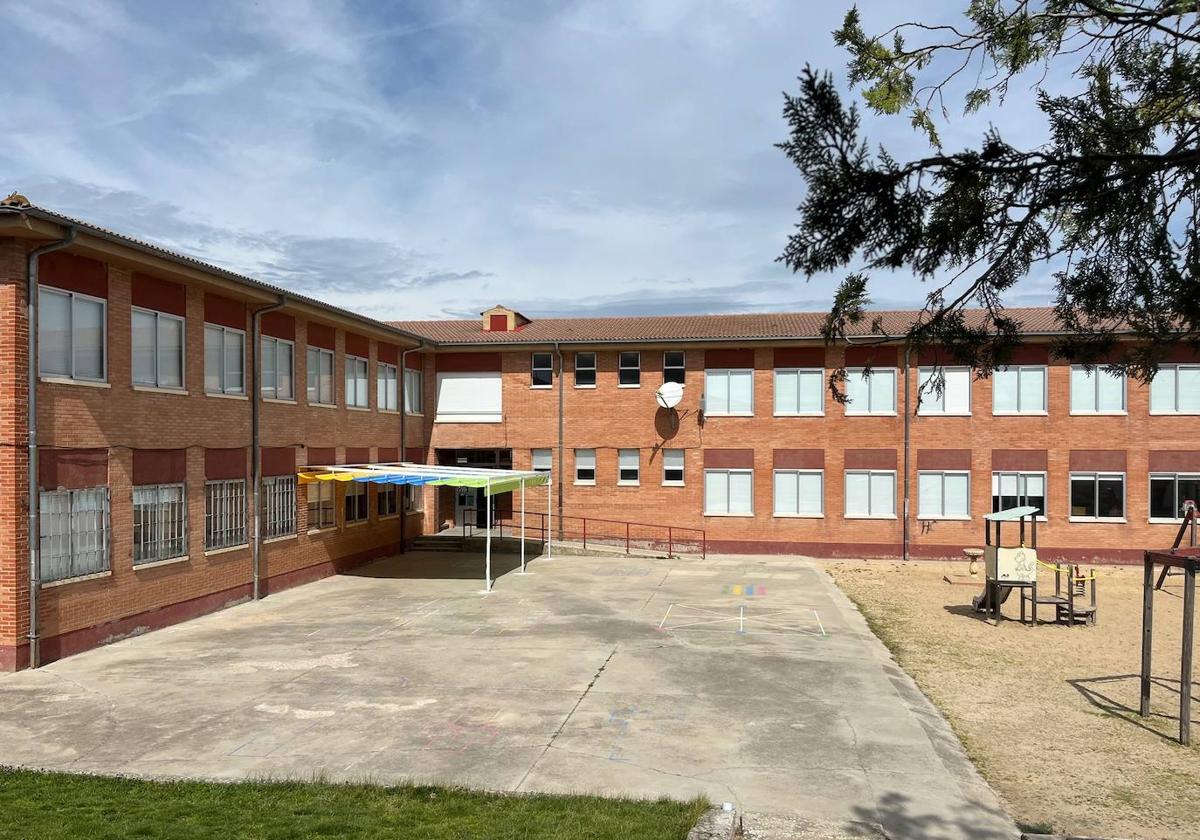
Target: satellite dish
669, 394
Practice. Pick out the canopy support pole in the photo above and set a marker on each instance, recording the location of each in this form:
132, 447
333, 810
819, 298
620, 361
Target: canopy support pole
522, 527
487, 503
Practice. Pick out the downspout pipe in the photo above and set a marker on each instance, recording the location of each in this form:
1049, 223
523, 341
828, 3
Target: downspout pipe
402, 403
255, 422
34, 501
907, 452
558, 474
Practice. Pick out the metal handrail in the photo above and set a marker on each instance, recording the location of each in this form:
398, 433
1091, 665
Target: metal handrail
673, 537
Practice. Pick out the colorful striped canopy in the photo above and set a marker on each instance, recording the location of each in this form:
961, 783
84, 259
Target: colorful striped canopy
494, 482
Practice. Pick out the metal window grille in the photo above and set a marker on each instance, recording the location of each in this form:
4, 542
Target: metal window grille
159, 522
74, 533
278, 506
225, 513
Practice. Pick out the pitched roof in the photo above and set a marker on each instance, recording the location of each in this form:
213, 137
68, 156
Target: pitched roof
765, 326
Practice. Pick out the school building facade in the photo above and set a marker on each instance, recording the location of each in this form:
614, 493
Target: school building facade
152, 440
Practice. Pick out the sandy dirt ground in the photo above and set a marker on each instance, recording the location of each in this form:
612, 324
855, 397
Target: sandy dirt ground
1049, 713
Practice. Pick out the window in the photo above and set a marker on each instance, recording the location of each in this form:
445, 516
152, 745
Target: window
1175, 389
414, 498
1097, 391
356, 382
799, 391
543, 459
386, 499
278, 506
542, 370
799, 493
1018, 489
729, 392
871, 494
629, 370
585, 370
674, 368
224, 513
71, 335
355, 502
1019, 390
871, 392
943, 495
1168, 492
224, 360
955, 396
157, 349
74, 533
276, 369
320, 376
385, 385
585, 466
629, 466
414, 391
673, 467
474, 397
320, 506
728, 493
1098, 496
159, 523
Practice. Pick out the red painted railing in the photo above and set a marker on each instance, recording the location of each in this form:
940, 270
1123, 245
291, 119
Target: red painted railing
671, 539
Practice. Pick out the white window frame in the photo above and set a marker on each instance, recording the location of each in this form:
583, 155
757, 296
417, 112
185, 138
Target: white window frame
321, 498
1094, 384
280, 347
534, 367
157, 383
681, 367
224, 388
870, 505
622, 466
941, 515
591, 368
1174, 477
165, 523
226, 524
1175, 369
75, 534
1096, 476
587, 482
72, 297
280, 510
1022, 497
928, 409
414, 396
800, 374
313, 393
355, 490
870, 410
387, 500
387, 387
414, 498
728, 374
797, 514
727, 472
354, 365
536, 455
682, 467
622, 367
1021, 411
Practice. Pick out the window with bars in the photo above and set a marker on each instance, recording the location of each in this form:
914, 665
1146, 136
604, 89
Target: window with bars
224, 360
355, 502
386, 499
356, 382
276, 355
278, 501
674, 366
585, 370
320, 506
320, 376
414, 391
74, 533
159, 523
385, 387
157, 348
225, 513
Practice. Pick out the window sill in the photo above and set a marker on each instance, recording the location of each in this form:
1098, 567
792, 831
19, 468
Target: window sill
943, 518
729, 414
358, 408
220, 396
871, 414
66, 380
52, 584
387, 516
413, 413
585, 483
284, 538
214, 552
630, 386
170, 561
629, 484
1099, 413
358, 523
1020, 413
154, 389
540, 387
799, 414
1160, 520
673, 484
799, 515
1099, 520
329, 529
585, 387
1161, 413
730, 515
321, 405
943, 414
885, 517
468, 418
279, 401
387, 411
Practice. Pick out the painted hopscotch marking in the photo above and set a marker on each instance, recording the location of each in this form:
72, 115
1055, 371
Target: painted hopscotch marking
804, 621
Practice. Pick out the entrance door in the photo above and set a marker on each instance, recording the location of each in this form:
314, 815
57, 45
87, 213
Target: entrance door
468, 507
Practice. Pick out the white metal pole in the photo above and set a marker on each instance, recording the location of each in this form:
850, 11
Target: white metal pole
522, 526
487, 502
550, 515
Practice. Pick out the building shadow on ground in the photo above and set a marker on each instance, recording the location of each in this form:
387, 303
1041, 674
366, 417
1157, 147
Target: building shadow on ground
1098, 692
437, 565
902, 820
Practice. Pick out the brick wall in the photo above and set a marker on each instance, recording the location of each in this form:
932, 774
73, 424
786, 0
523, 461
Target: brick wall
13, 458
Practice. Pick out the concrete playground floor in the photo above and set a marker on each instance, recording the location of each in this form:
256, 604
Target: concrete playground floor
605, 675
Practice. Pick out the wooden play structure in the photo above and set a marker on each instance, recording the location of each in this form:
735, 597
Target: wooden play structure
1009, 567
1183, 561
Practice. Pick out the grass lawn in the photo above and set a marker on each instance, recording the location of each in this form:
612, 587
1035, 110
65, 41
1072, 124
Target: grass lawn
1048, 713
37, 806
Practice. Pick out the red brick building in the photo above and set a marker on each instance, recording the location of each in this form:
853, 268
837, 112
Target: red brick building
146, 451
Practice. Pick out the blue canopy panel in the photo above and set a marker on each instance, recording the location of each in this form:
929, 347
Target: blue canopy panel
399, 478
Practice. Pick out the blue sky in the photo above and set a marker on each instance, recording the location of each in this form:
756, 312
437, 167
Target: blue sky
412, 160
